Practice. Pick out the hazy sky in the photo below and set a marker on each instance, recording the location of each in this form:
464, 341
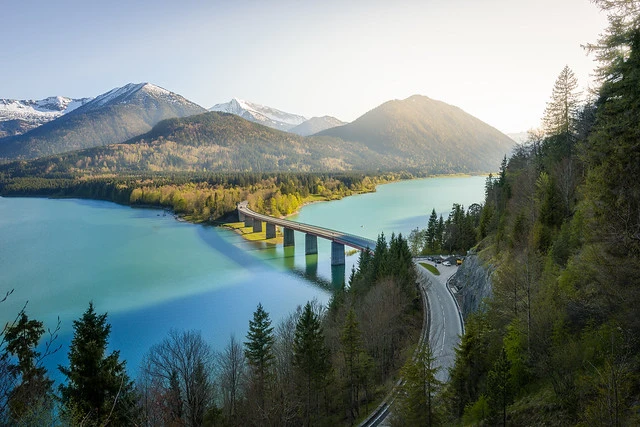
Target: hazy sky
495, 59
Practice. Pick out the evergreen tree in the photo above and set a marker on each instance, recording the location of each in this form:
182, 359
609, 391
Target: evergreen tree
310, 355
499, 385
259, 350
432, 230
415, 402
98, 390
612, 151
355, 362
560, 116
33, 392
378, 262
440, 233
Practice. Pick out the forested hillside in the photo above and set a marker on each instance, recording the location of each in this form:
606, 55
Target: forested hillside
422, 132
110, 118
557, 344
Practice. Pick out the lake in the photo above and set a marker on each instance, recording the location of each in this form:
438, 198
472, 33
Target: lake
152, 273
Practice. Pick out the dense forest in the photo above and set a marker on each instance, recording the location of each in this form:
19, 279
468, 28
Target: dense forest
200, 197
320, 366
557, 344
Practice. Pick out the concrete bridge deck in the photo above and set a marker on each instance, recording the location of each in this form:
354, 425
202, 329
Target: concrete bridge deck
338, 238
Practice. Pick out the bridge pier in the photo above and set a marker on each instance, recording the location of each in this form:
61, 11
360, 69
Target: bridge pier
240, 216
257, 226
289, 239
310, 244
248, 221
271, 230
337, 253
311, 265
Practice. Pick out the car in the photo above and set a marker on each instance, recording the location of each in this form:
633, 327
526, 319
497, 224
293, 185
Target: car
438, 261
447, 264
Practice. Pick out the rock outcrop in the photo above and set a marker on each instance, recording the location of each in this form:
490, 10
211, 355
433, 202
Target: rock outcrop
473, 284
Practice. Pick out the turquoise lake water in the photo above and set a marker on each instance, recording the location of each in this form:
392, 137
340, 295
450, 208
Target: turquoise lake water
152, 273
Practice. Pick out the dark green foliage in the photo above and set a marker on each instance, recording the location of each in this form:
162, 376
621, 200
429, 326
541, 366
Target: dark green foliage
417, 402
310, 357
432, 241
499, 386
98, 390
473, 359
259, 350
356, 363
32, 395
393, 260
555, 341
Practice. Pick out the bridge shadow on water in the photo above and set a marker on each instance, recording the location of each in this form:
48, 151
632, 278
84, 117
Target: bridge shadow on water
257, 254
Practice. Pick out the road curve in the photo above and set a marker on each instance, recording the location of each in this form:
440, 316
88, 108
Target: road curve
446, 323
443, 328
346, 239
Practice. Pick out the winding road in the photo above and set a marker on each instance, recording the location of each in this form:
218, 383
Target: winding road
443, 328
445, 322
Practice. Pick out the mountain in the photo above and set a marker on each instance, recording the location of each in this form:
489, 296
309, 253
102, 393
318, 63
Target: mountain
212, 141
262, 114
519, 137
422, 132
20, 116
112, 117
315, 125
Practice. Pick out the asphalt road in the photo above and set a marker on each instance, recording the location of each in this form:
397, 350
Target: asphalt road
446, 326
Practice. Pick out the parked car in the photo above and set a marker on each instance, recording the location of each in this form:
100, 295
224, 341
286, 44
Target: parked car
447, 264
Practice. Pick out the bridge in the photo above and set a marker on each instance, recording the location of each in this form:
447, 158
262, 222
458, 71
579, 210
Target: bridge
338, 239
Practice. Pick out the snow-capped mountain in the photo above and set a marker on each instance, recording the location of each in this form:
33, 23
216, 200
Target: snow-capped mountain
261, 114
135, 93
315, 125
19, 116
113, 117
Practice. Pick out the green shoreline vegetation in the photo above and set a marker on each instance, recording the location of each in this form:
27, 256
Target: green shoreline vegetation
202, 197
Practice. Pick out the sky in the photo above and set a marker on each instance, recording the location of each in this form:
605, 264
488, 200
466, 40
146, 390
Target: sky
495, 59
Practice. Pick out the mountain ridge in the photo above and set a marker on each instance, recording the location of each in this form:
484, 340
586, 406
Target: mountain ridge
425, 131
113, 117
262, 114
315, 125
18, 116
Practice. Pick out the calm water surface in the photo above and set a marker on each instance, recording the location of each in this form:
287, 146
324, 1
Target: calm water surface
152, 273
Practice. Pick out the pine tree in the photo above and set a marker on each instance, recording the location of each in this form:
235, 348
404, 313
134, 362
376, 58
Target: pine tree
310, 354
98, 390
499, 385
356, 362
561, 114
612, 150
379, 258
259, 350
415, 402
33, 392
432, 229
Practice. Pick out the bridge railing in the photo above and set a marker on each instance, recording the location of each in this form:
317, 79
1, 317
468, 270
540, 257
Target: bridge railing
247, 211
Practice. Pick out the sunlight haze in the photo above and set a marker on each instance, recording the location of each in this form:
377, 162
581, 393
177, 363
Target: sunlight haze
497, 59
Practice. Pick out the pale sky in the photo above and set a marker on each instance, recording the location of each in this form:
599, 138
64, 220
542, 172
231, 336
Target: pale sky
495, 59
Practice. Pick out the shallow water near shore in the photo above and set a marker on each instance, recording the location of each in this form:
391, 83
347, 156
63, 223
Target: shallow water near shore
152, 273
